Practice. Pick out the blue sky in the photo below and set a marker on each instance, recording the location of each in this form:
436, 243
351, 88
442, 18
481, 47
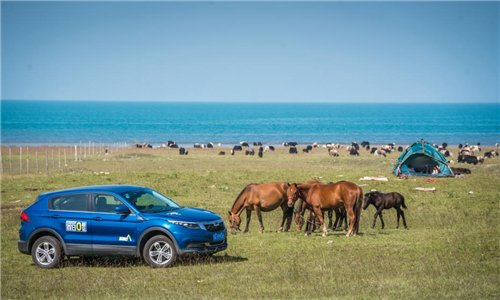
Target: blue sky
252, 51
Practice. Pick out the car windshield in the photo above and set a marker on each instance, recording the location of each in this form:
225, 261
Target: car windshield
149, 201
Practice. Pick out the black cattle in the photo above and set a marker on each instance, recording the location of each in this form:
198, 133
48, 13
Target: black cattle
292, 144
444, 145
285, 144
292, 150
182, 151
309, 147
365, 144
245, 145
383, 201
305, 150
460, 146
197, 145
249, 152
237, 148
374, 149
271, 148
255, 143
470, 159
222, 153
479, 144
210, 145
148, 146
259, 144
355, 146
400, 149
174, 146
170, 143
138, 146
232, 151
354, 152
261, 151
367, 147
461, 170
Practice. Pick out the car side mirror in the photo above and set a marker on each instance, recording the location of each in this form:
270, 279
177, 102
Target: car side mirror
122, 209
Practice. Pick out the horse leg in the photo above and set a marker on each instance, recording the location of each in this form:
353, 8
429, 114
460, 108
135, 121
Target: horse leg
284, 207
249, 214
330, 222
397, 224
402, 213
381, 218
319, 213
344, 217
375, 219
352, 217
289, 216
259, 215
310, 223
336, 220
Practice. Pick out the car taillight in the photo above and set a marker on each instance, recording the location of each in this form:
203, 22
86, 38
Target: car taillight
24, 217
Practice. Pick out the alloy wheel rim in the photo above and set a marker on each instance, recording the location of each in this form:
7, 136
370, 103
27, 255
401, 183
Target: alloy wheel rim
160, 252
45, 253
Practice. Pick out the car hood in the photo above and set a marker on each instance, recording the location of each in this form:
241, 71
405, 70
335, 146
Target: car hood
187, 214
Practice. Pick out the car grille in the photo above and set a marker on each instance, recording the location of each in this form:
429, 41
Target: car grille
215, 227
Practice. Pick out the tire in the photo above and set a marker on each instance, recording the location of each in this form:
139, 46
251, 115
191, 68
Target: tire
46, 252
156, 244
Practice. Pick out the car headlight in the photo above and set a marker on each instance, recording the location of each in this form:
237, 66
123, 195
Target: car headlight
190, 225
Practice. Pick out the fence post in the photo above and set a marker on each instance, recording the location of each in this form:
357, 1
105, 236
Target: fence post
47, 159
65, 164
53, 166
76, 155
59, 157
36, 160
27, 165
20, 159
10, 160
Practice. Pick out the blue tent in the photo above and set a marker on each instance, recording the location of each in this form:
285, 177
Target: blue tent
420, 159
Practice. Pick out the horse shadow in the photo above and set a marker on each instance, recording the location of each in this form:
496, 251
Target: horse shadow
124, 262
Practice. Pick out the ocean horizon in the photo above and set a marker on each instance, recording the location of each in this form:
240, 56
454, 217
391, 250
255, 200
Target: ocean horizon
40, 122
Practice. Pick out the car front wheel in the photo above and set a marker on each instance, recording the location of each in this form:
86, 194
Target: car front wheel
159, 252
46, 252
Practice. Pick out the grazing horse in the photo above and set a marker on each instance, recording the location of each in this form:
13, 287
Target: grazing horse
260, 197
323, 197
383, 201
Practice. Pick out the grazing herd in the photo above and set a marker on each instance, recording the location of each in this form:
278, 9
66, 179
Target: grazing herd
467, 153
344, 198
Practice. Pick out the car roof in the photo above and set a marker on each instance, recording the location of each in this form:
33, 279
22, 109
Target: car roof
97, 188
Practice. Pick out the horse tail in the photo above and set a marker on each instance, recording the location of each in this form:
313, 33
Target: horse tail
403, 202
357, 207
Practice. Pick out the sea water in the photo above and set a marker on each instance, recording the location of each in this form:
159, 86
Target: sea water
47, 122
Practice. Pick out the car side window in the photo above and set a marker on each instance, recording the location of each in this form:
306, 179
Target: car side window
76, 202
106, 203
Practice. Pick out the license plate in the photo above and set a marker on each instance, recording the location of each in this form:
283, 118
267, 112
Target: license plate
218, 236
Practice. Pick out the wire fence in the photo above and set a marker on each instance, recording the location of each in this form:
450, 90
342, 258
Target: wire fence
39, 159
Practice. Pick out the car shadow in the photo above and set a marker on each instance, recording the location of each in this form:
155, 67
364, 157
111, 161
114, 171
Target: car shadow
124, 262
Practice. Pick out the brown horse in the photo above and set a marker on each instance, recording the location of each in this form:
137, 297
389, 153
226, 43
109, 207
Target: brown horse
260, 197
298, 213
323, 197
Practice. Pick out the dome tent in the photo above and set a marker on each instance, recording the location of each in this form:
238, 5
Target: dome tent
421, 156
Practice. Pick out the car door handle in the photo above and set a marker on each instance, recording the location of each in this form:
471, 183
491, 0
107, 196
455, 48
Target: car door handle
97, 219
55, 216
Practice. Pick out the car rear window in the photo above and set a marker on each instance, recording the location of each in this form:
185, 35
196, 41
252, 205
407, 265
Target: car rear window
76, 202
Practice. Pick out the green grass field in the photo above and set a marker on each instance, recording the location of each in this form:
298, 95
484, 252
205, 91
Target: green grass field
451, 250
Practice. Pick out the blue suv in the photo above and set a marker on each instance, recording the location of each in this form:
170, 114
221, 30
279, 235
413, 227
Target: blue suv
116, 220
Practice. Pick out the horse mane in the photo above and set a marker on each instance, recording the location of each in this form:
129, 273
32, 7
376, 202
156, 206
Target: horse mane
239, 196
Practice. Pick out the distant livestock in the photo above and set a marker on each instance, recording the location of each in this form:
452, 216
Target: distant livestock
400, 149
182, 151
333, 152
260, 152
373, 150
470, 159
292, 150
461, 170
365, 144
309, 147
383, 201
379, 153
354, 152
446, 153
197, 145
210, 145
237, 148
269, 148
496, 145
222, 153
305, 150
244, 144
249, 152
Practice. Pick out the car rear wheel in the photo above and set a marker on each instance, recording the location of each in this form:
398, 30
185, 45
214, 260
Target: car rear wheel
159, 252
46, 252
